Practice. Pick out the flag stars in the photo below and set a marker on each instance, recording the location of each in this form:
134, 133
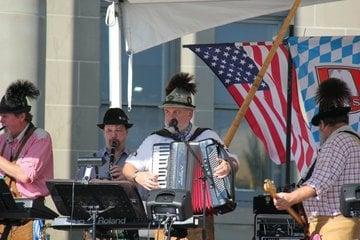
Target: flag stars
197, 50
228, 48
251, 66
226, 54
223, 61
215, 58
222, 66
234, 58
213, 64
242, 62
217, 50
221, 72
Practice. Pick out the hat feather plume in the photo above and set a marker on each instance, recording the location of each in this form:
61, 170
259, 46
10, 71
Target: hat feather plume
181, 81
333, 93
20, 89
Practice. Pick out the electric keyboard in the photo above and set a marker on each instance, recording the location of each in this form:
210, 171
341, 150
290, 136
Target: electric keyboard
65, 223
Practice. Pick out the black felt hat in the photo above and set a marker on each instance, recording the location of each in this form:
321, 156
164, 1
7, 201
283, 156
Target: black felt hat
334, 98
115, 116
15, 98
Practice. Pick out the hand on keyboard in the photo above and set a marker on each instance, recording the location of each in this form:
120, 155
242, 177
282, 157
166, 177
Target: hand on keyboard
147, 179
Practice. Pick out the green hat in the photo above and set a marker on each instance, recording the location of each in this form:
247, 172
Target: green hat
180, 91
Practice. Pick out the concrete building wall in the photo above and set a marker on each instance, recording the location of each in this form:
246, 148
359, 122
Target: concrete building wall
336, 18
72, 83
22, 25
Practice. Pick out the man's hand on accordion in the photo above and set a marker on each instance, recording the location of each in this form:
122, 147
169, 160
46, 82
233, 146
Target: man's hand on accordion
223, 169
147, 179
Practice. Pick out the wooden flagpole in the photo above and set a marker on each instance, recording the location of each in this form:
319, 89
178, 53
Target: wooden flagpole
241, 113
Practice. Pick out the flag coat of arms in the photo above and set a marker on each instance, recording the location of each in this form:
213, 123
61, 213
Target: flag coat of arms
318, 58
236, 65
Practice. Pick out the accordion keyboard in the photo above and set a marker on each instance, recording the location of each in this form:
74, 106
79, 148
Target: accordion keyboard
161, 153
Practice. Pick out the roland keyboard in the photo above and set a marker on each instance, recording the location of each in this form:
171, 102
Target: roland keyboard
65, 223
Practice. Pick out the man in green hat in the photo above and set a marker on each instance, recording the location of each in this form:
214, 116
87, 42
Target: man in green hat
178, 112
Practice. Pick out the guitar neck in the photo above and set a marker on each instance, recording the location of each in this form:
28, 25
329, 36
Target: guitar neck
270, 188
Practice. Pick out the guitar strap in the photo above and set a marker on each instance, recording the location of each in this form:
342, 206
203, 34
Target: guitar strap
311, 169
25, 230
10, 181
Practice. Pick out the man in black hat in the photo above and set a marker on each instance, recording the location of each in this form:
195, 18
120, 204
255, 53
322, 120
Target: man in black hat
115, 128
26, 157
178, 112
338, 163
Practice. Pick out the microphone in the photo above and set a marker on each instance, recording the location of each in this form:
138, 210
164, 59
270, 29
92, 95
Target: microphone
174, 123
2, 128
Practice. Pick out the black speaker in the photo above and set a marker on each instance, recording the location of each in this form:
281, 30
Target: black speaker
176, 203
263, 204
350, 200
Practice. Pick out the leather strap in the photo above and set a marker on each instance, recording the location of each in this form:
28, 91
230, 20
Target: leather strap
10, 181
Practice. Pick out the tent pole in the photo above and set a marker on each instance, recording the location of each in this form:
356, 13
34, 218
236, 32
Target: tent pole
112, 20
241, 113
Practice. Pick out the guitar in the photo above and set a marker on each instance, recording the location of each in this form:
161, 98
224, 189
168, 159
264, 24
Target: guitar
270, 188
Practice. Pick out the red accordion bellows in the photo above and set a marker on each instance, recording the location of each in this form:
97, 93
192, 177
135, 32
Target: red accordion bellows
197, 192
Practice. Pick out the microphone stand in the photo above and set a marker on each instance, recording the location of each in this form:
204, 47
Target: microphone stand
203, 186
173, 123
204, 178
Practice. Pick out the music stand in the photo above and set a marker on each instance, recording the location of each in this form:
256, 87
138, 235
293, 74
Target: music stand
7, 208
109, 200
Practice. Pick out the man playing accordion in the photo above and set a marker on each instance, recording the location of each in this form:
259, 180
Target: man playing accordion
178, 112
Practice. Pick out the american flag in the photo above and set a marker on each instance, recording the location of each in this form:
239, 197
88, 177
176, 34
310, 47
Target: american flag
318, 58
236, 65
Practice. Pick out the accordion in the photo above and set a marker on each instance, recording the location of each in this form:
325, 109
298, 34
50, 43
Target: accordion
185, 165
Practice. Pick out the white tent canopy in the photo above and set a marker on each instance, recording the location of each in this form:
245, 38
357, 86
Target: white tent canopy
147, 23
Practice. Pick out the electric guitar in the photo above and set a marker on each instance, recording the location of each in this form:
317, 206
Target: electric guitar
270, 188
